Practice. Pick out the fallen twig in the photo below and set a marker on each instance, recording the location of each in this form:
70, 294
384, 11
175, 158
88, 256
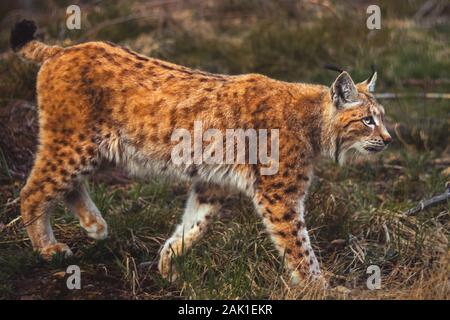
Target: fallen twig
424, 204
425, 82
393, 166
13, 221
424, 95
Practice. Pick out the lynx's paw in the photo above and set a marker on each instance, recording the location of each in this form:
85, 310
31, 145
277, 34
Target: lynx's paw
49, 251
97, 229
166, 266
314, 279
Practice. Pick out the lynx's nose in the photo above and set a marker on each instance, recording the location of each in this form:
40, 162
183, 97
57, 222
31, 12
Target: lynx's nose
387, 140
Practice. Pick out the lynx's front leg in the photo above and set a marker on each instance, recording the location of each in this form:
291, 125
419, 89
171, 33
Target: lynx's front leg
280, 203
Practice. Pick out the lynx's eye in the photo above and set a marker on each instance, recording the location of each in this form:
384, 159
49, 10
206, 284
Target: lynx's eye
368, 121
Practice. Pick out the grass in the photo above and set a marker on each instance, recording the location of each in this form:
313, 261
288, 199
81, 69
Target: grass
355, 212
355, 216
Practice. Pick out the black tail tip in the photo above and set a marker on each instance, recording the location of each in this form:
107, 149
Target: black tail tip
22, 33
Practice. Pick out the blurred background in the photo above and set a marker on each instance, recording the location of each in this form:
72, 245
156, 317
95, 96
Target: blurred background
356, 213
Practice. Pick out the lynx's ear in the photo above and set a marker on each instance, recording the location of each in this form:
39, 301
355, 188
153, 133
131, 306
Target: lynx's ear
343, 91
369, 84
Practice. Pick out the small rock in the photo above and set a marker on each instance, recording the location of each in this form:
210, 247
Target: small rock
60, 274
342, 290
338, 243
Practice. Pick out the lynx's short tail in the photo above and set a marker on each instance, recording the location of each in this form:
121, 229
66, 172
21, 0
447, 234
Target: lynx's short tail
23, 43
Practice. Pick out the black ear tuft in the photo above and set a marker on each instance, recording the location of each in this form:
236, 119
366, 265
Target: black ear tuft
333, 67
22, 33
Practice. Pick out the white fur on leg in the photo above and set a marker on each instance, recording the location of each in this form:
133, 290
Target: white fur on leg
194, 223
91, 220
314, 268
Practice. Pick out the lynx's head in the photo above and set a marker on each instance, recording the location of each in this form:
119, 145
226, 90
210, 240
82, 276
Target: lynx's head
356, 118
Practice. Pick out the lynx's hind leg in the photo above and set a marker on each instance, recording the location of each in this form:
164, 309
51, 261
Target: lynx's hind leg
82, 206
61, 163
203, 202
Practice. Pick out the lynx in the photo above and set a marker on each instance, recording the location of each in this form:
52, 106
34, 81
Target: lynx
100, 102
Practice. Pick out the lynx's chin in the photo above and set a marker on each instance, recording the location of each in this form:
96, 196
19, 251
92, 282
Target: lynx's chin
357, 147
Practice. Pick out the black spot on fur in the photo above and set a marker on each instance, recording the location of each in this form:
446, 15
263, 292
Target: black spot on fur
193, 171
202, 199
277, 185
50, 180
22, 33
91, 151
268, 198
288, 215
282, 234
291, 189
277, 197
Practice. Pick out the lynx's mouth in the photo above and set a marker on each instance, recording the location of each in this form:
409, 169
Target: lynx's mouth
368, 148
374, 148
